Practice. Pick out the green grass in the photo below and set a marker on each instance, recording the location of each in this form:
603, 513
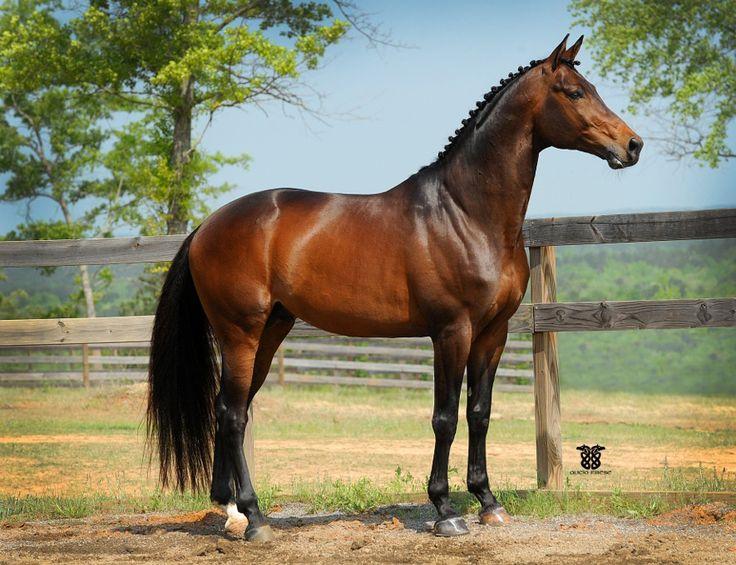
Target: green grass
363, 495
354, 496
22, 508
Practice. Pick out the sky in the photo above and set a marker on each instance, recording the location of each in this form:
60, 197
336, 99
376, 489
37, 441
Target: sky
389, 111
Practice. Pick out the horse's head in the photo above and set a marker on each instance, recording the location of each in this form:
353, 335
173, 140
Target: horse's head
571, 114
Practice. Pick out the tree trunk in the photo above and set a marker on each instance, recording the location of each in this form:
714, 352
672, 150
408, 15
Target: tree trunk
180, 156
181, 149
89, 297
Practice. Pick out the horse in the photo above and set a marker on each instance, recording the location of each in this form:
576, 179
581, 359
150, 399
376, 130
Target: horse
439, 255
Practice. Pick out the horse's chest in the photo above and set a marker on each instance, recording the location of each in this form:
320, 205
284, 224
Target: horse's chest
494, 280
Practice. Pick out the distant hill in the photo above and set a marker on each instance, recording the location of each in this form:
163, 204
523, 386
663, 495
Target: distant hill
701, 361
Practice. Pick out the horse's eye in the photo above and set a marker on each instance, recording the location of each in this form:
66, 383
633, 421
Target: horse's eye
575, 95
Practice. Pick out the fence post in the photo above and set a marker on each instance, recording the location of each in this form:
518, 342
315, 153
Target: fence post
85, 365
282, 370
248, 446
546, 375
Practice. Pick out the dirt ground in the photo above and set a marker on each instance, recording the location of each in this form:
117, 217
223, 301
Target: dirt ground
397, 534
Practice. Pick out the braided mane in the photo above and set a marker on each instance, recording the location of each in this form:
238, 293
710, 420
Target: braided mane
488, 97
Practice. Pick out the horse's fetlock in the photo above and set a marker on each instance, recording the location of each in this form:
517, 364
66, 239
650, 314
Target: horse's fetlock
477, 482
437, 490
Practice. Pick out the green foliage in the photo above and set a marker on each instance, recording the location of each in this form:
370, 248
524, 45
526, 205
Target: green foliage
676, 57
169, 66
138, 160
50, 145
175, 63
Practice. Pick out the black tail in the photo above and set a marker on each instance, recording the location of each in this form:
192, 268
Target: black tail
183, 380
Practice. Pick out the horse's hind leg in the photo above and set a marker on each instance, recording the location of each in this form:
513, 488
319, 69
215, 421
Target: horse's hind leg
276, 329
485, 354
239, 350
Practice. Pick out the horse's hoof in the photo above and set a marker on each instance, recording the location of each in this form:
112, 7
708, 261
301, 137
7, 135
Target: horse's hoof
495, 517
259, 535
450, 527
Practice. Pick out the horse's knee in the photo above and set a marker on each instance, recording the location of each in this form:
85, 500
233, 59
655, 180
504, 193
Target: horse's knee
444, 424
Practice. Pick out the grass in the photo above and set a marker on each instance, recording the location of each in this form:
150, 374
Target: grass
363, 495
21, 508
73, 452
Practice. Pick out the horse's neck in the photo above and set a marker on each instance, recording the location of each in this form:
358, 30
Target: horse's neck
491, 178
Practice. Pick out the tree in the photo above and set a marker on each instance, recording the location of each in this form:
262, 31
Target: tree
678, 60
178, 62
50, 143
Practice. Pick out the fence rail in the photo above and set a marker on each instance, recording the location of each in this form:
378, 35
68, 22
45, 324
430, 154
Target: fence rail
614, 228
543, 318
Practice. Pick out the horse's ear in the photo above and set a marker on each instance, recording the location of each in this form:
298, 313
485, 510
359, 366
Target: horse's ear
556, 55
572, 52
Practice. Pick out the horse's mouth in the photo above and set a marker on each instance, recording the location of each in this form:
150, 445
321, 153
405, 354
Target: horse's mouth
615, 162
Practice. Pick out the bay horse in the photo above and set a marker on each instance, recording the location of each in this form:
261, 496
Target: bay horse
440, 255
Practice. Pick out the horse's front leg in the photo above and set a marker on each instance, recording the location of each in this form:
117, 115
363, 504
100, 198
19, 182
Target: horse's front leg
485, 354
451, 349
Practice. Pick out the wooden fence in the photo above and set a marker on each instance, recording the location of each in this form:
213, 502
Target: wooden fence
402, 363
542, 318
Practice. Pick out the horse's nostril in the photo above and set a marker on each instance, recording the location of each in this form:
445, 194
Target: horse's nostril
635, 145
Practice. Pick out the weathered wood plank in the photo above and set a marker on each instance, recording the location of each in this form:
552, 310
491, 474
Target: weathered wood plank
115, 329
138, 376
636, 314
546, 374
379, 351
85, 365
73, 376
63, 359
398, 343
410, 368
75, 330
381, 383
39, 359
523, 320
101, 251
574, 316
616, 228
629, 228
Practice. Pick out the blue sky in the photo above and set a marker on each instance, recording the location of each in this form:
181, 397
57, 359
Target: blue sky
405, 102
